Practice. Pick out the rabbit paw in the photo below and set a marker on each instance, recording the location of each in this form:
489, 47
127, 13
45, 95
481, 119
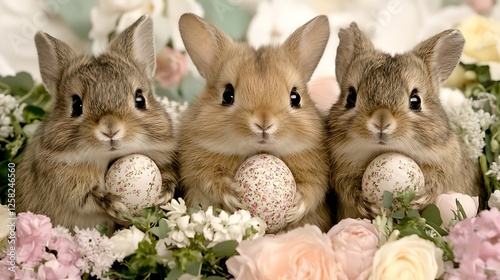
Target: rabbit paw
232, 199
367, 209
167, 192
421, 201
113, 206
298, 211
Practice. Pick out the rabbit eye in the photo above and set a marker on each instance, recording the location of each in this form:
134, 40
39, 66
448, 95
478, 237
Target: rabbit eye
415, 101
140, 100
294, 98
228, 95
351, 98
77, 106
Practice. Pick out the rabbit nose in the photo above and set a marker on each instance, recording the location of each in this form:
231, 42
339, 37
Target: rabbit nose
110, 134
382, 127
263, 127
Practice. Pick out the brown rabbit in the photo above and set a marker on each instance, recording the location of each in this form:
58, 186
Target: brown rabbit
103, 108
254, 101
391, 104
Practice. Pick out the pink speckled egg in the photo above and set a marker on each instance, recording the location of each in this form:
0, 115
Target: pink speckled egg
137, 179
391, 172
269, 189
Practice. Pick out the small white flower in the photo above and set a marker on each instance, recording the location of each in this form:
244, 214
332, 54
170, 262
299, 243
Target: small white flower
494, 201
175, 208
162, 251
494, 169
7, 103
18, 112
126, 241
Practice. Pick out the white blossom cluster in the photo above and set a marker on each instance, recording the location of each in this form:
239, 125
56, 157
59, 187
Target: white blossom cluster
8, 106
174, 109
471, 125
208, 226
97, 251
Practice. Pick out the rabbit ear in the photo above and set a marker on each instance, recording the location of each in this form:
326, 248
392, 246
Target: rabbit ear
137, 42
308, 43
442, 52
352, 42
53, 56
202, 40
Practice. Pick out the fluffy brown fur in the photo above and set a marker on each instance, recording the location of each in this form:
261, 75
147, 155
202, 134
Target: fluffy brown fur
215, 139
62, 173
382, 120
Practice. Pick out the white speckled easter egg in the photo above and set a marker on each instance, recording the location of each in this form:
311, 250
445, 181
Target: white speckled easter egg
391, 172
137, 179
269, 189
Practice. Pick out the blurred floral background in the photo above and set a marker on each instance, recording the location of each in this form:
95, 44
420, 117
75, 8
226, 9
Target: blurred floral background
394, 25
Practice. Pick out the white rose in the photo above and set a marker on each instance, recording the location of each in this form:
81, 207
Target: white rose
126, 241
451, 98
410, 257
494, 200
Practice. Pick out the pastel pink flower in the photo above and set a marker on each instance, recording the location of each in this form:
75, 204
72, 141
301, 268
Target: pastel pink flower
302, 253
355, 242
476, 247
33, 233
171, 67
447, 205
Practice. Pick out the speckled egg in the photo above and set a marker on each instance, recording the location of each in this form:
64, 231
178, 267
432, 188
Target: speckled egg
391, 172
269, 189
137, 179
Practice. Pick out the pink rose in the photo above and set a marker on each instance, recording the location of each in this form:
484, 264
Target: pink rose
171, 67
33, 233
355, 243
447, 204
302, 253
324, 91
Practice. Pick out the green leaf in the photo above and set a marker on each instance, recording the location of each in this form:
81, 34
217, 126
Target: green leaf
225, 248
438, 228
461, 215
398, 215
101, 229
387, 196
194, 268
31, 113
162, 230
20, 84
215, 278
432, 215
483, 74
412, 213
174, 274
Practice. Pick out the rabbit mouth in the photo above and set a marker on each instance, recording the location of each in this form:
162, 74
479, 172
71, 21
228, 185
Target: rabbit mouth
382, 138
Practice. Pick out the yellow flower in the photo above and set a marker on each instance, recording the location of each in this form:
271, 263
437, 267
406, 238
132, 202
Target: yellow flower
482, 38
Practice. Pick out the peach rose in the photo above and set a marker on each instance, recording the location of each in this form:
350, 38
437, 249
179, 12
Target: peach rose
355, 243
447, 204
410, 257
302, 253
171, 67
